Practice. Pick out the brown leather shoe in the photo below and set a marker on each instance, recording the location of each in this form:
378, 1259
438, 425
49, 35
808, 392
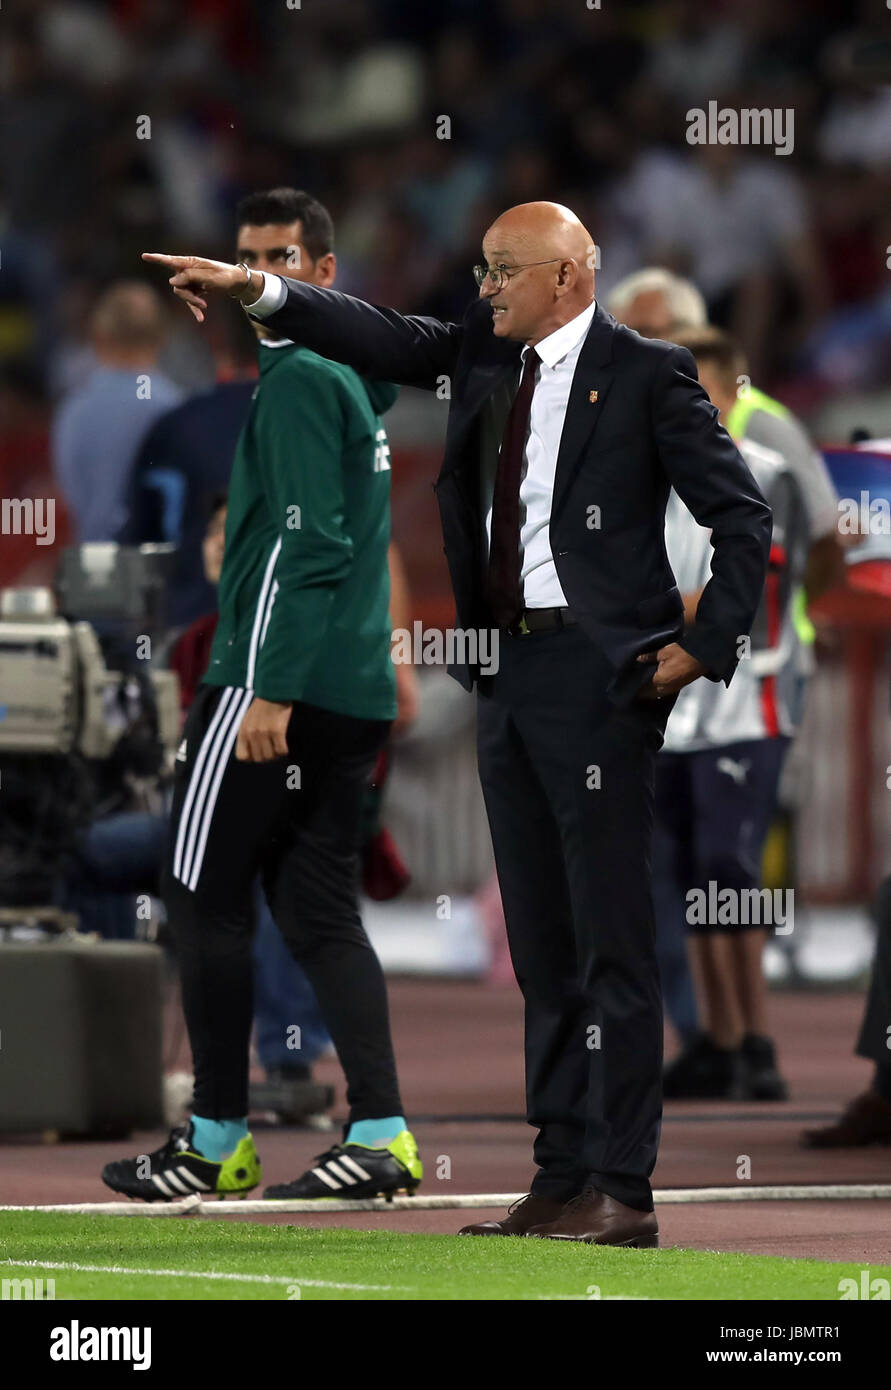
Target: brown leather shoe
867, 1120
597, 1219
528, 1211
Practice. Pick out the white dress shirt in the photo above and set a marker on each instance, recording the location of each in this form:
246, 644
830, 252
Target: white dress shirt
559, 354
275, 292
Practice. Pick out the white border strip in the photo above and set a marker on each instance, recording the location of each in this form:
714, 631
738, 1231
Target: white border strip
290, 1279
669, 1196
225, 742
262, 613
196, 777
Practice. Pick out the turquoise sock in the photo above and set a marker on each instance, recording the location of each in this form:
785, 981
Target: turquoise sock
375, 1134
216, 1139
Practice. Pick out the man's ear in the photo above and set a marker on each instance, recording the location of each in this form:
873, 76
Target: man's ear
567, 274
325, 270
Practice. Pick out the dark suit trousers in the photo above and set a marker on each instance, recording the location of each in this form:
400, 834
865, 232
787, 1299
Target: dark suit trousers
568, 784
874, 1036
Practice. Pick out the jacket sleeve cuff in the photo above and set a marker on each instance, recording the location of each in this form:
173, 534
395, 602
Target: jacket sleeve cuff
271, 300
717, 665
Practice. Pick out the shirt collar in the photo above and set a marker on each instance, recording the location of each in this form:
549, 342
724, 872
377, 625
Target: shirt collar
557, 344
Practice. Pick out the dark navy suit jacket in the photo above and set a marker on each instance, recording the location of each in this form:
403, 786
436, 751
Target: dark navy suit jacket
637, 423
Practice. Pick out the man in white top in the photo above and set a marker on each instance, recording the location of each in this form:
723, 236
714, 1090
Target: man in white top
717, 779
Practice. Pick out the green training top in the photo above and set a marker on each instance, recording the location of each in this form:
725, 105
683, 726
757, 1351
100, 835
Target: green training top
304, 594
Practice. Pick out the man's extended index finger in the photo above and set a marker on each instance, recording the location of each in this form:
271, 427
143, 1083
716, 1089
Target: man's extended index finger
164, 259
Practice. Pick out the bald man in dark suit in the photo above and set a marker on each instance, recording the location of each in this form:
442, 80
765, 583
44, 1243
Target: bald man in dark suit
566, 432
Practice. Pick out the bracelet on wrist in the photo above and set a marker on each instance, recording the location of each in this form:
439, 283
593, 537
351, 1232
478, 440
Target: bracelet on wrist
236, 294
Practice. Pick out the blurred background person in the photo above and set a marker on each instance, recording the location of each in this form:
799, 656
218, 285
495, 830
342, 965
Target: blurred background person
100, 426
658, 303
185, 462
718, 774
26, 469
867, 1118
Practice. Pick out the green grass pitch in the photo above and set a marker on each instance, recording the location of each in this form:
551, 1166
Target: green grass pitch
107, 1257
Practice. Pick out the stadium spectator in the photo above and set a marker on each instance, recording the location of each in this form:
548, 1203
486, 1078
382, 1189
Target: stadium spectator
44, 119
244, 93
700, 51
25, 471
100, 426
718, 774
122, 854
659, 304
738, 227
867, 1119
185, 461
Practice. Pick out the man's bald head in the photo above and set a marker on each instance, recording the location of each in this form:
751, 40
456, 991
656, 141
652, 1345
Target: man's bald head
547, 257
545, 229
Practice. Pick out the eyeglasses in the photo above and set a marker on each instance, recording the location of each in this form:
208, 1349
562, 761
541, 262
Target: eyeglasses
499, 273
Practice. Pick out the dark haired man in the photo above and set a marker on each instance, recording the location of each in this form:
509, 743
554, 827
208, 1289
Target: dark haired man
296, 704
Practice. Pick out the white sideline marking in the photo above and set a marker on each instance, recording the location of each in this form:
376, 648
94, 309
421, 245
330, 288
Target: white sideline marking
792, 1192
198, 1274
586, 1298
669, 1196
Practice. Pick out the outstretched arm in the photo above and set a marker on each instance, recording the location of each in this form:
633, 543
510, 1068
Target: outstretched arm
378, 343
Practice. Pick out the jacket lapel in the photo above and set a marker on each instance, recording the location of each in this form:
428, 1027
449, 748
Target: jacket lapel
484, 380
590, 385
593, 374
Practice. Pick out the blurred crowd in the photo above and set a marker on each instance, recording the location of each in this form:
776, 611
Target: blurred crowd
414, 123
135, 124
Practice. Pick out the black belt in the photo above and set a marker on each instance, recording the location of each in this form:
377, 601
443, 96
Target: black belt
541, 620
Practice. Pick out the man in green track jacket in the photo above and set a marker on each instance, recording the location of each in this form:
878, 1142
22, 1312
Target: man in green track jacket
277, 751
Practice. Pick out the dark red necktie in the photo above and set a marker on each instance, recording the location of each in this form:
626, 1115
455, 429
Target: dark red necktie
505, 588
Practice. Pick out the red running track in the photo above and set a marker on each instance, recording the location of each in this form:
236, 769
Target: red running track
459, 1046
